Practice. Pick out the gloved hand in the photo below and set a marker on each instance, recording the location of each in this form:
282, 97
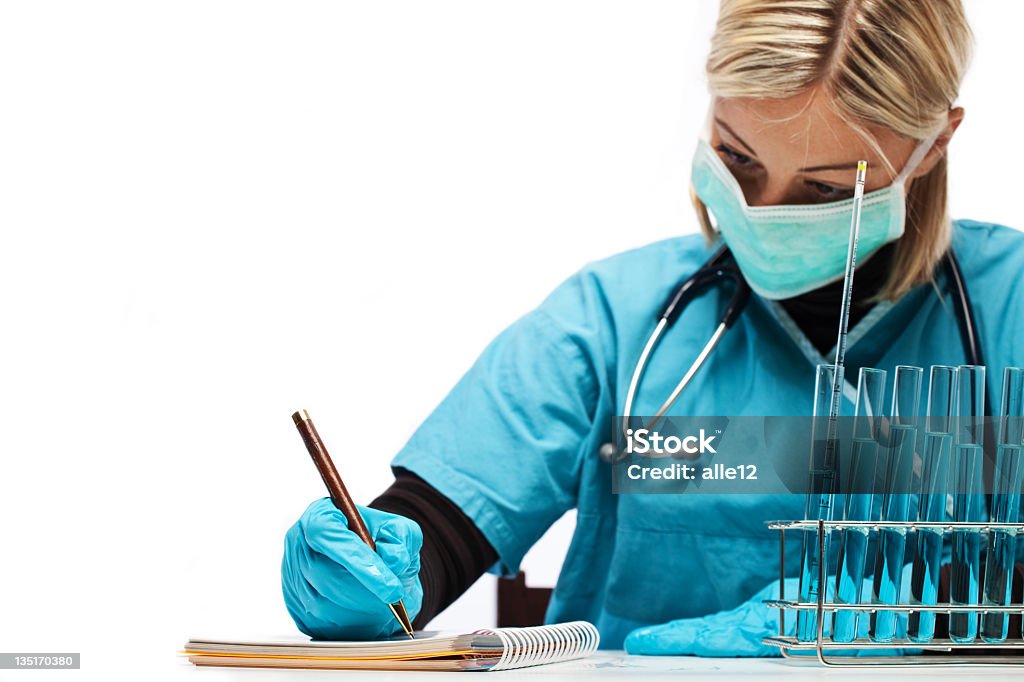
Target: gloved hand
336, 587
738, 632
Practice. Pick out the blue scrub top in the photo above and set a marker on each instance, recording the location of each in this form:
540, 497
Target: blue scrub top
515, 443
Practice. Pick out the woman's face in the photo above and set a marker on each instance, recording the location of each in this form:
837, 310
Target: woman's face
798, 151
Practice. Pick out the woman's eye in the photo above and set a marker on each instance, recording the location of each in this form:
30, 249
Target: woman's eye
734, 158
828, 191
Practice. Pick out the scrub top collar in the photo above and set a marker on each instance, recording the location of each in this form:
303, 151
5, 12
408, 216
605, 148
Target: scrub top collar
863, 327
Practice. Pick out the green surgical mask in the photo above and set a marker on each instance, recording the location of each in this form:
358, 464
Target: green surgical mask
786, 250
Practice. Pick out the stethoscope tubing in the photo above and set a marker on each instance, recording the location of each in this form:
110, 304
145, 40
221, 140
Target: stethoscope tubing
712, 272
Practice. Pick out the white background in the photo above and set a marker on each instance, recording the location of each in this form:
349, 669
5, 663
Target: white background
215, 213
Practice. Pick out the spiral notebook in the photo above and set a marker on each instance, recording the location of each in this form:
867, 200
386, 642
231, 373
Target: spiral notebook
497, 649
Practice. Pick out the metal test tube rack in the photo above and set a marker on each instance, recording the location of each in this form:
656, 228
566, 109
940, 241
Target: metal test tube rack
823, 648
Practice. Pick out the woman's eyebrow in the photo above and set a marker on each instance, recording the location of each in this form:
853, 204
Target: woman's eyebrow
835, 166
733, 133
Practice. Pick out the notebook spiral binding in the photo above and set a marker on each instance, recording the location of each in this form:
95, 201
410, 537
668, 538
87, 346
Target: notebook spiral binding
525, 647
843, 654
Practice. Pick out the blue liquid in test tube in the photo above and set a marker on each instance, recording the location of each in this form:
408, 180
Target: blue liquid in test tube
1009, 472
968, 500
938, 443
853, 542
896, 494
824, 445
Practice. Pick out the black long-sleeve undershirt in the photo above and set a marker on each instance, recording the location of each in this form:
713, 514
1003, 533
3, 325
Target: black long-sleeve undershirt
817, 312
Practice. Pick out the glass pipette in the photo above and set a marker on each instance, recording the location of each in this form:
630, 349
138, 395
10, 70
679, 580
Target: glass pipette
822, 482
831, 444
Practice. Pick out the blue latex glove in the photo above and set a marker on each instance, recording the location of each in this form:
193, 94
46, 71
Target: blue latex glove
738, 632
336, 587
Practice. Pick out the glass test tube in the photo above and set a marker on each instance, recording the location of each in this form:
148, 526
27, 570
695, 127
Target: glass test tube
896, 494
1006, 490
819, 498
968, 500
938, 445
853, 542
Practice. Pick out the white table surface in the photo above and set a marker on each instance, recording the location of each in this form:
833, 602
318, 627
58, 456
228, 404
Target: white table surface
616, 664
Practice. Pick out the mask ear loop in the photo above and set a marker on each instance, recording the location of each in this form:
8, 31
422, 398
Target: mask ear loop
917, 156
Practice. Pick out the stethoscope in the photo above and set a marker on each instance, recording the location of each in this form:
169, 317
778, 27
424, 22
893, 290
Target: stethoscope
721, 267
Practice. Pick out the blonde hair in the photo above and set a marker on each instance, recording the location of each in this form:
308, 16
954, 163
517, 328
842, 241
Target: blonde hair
892, 63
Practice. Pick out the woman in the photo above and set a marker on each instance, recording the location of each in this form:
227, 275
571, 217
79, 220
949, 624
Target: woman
802, 90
